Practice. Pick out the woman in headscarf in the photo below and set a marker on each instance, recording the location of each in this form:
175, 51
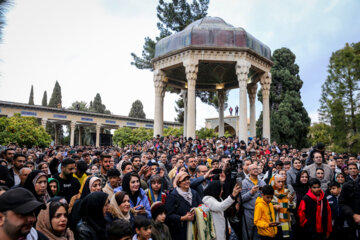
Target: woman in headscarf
138, 199
92, 225
54, 186
179, 204
300, 187
119, 208
37, 183
91, 184
217, 206
52, 221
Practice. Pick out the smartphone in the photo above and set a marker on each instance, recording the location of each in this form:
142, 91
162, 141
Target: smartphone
139, 208
149, 163
216, 171
239, 181
277, 223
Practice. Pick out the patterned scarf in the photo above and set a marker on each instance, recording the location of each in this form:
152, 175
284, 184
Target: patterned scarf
186, 195
283, 215
203, 227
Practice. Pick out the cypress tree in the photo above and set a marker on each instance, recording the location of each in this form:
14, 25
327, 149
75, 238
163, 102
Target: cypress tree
137, 110
44, 99
289, 120
31, 98
56, 99
97, 106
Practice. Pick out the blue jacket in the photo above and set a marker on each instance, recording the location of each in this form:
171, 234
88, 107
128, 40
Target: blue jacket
196, 184
141, 200
248, 200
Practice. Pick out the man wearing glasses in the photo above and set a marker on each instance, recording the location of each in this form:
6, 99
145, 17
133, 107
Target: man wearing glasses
251, 189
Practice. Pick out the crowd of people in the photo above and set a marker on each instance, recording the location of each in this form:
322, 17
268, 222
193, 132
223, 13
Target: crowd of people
180, 189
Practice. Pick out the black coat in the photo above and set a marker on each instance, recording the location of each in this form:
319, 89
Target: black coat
349, 201
5, 175
176, 207
85, 232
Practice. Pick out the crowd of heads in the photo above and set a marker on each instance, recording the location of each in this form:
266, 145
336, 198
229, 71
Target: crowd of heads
121, 192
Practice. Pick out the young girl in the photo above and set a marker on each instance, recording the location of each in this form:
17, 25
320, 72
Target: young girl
154, 192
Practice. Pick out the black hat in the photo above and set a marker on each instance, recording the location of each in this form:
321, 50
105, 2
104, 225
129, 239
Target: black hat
19, 200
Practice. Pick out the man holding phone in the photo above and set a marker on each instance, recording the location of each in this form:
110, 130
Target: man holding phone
250, 191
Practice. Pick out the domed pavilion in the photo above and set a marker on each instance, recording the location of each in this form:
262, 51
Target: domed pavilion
212, 55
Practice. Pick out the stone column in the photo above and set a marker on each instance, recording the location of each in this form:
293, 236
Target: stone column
80, 132
43, 123
265, 89
159, 85
221, 94
191, 70
252, 96
242, 72
98, 127
72, 133
184, 97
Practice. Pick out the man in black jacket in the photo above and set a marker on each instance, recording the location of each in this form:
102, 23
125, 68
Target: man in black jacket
350, 205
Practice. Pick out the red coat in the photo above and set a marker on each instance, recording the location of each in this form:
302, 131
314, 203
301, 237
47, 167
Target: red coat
319, 221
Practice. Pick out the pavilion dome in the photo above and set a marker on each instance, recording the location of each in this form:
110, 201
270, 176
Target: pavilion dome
211, 33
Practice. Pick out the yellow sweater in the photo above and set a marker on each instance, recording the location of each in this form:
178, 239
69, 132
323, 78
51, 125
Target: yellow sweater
262, 218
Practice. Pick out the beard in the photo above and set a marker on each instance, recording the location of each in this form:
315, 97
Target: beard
68, 175
15, 232
192, 168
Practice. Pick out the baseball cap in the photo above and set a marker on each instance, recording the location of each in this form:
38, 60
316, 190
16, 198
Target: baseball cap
19, 200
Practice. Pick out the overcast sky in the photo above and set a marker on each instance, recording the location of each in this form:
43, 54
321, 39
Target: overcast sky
86, 46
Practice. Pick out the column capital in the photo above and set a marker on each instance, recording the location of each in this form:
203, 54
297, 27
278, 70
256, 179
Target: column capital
252, 90
265, 82
159, 82
191, 70
72, 124
98, 126
242, 71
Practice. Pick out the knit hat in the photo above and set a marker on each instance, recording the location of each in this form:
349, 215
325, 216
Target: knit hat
156, 209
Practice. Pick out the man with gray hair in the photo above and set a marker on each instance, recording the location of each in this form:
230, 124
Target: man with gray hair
251, 189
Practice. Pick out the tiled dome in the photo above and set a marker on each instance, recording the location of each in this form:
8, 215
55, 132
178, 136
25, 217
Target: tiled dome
211, 33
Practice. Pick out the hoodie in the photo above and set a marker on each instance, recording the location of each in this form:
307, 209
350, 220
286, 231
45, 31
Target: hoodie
262, 218
315, 213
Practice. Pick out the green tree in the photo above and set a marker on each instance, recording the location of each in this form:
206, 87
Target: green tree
97, 105
125, 135
79, 106
205, 133
137, 110
56, 102
31, 98
56, 99
320, 132
4, 4
179, 108
176, 132
340, 97
25, 131
174, 16
44, 99
289, 120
